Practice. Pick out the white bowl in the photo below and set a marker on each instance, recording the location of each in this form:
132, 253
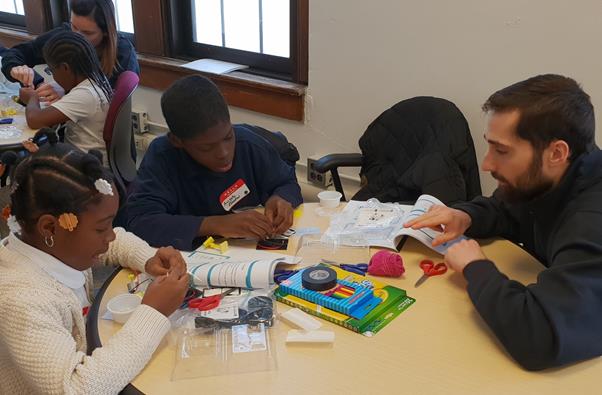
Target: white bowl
329, 199
122, 306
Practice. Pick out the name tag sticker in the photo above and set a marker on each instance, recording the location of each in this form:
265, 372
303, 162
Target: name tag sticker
234, 194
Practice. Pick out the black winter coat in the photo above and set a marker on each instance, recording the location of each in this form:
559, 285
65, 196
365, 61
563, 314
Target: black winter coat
420, 145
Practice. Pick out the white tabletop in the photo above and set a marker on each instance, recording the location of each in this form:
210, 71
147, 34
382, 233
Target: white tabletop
18, 131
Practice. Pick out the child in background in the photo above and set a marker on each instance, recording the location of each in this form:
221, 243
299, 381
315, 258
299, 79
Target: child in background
62, 206
75, 67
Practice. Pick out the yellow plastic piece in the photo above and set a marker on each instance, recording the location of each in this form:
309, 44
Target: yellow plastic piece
208, 242
223, 246
8, 111
298, 212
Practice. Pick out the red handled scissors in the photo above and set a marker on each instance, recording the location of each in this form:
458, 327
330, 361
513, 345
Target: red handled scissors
430, 269
208, 302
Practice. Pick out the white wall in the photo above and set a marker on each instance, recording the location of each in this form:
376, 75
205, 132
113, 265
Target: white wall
365, 56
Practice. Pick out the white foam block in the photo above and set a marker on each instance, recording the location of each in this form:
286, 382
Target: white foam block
299, 336
301, 319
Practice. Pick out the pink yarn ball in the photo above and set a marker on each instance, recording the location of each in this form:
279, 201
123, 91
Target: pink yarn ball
386, 264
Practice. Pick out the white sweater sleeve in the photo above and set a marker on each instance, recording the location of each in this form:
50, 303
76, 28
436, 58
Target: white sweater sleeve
45, 353
128, 250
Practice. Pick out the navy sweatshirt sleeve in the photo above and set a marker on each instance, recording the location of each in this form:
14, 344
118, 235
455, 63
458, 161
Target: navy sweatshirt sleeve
557, 320
152, 210
29, 54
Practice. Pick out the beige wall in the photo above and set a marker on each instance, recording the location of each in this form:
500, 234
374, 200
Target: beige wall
366, 55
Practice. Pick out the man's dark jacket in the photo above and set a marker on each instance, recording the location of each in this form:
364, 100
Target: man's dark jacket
558, 319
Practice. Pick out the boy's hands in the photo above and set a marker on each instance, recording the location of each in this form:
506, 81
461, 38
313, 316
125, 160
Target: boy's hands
166, 293
453, 223
280, 214
23, 74
246, 224
277, 219
166, 259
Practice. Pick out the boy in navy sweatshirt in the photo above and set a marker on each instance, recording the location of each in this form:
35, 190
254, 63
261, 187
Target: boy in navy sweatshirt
193, 181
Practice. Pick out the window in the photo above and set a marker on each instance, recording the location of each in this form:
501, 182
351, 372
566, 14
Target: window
123, 16
260, 26
12, 12
270, 36
256, 33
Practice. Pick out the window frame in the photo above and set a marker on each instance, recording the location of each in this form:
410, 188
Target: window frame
260, 64
130, 36
9, 19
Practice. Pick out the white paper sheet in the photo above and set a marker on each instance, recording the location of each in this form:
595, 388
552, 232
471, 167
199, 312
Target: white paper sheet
214, 66
238, 267
381, 224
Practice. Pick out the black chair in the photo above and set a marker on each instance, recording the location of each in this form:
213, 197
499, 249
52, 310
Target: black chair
287, 151
420, 145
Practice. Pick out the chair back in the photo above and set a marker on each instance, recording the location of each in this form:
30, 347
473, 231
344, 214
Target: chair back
118, 134
420, 145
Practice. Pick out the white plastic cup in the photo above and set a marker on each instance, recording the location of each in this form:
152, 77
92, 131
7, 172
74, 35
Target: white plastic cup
329, 199
122, 306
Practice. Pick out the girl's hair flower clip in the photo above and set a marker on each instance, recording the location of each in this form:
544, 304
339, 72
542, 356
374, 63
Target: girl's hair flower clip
13, 225
103, 186
68, 221
6, 212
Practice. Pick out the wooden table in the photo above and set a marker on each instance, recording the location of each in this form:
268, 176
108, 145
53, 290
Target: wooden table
439, 345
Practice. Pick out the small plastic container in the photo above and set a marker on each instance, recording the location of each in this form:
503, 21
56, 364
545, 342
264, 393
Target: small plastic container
122, 306
329, 199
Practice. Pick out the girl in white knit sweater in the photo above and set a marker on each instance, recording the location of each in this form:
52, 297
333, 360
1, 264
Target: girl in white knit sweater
64, 203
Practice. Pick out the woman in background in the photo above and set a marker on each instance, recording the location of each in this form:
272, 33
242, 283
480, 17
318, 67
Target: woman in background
93, 19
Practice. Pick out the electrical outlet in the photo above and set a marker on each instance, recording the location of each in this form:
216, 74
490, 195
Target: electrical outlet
139, 121
143, 141
323, 180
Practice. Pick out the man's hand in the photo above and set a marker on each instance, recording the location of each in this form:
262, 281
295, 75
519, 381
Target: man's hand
453, 223
462, 253
246, 224
280, 214
23, 74
49, 92
166, 260
27, 94
166, 293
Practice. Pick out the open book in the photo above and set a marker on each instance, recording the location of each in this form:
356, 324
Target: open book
381, 224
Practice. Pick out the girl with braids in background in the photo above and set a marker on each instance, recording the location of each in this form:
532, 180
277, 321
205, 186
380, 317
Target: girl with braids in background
62, 207
84, 107
95, 20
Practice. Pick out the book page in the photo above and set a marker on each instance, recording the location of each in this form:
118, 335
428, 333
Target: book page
425, 235
369, 223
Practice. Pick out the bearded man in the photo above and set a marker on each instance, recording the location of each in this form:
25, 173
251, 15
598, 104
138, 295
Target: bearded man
543, 154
